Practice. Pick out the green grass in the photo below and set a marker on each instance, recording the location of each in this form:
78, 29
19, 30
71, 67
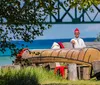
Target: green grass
37, 76
26, 76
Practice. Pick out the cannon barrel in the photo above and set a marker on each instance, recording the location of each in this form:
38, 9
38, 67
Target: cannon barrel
83, 56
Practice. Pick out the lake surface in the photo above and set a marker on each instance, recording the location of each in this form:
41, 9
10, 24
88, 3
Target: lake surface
5, 58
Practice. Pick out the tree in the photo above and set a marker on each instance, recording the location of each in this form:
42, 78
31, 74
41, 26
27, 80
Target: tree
82, 4
23, 19
98, 38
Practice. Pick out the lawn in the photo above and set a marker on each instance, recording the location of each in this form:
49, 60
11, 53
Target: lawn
37, 76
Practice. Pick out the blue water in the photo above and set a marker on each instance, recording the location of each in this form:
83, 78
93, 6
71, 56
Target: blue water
36, 44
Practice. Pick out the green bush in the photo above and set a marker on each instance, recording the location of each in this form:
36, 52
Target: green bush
18, 77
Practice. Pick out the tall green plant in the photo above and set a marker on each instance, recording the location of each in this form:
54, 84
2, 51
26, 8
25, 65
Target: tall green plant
26, 76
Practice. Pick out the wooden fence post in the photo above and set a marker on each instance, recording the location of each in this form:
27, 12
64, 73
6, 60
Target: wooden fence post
66, 73
86, 73
72, 72
83, 72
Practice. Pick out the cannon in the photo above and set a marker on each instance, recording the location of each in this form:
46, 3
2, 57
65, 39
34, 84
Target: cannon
84, 56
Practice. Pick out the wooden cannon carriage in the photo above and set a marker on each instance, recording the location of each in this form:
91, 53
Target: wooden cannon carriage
85, 56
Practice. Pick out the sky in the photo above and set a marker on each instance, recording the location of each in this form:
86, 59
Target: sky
62, 31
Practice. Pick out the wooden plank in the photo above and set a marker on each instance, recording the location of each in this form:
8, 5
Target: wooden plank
86, 73
72, 72
83, 72
66, 74
79, 71
56, 59
96, 69
96, 66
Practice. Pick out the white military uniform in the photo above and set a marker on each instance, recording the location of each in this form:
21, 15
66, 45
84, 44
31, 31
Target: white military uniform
79, 43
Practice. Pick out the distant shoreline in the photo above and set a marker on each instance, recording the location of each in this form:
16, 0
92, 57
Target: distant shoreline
57, 39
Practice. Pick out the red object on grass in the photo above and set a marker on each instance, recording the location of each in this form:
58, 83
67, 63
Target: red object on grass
62, 70
61, 45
